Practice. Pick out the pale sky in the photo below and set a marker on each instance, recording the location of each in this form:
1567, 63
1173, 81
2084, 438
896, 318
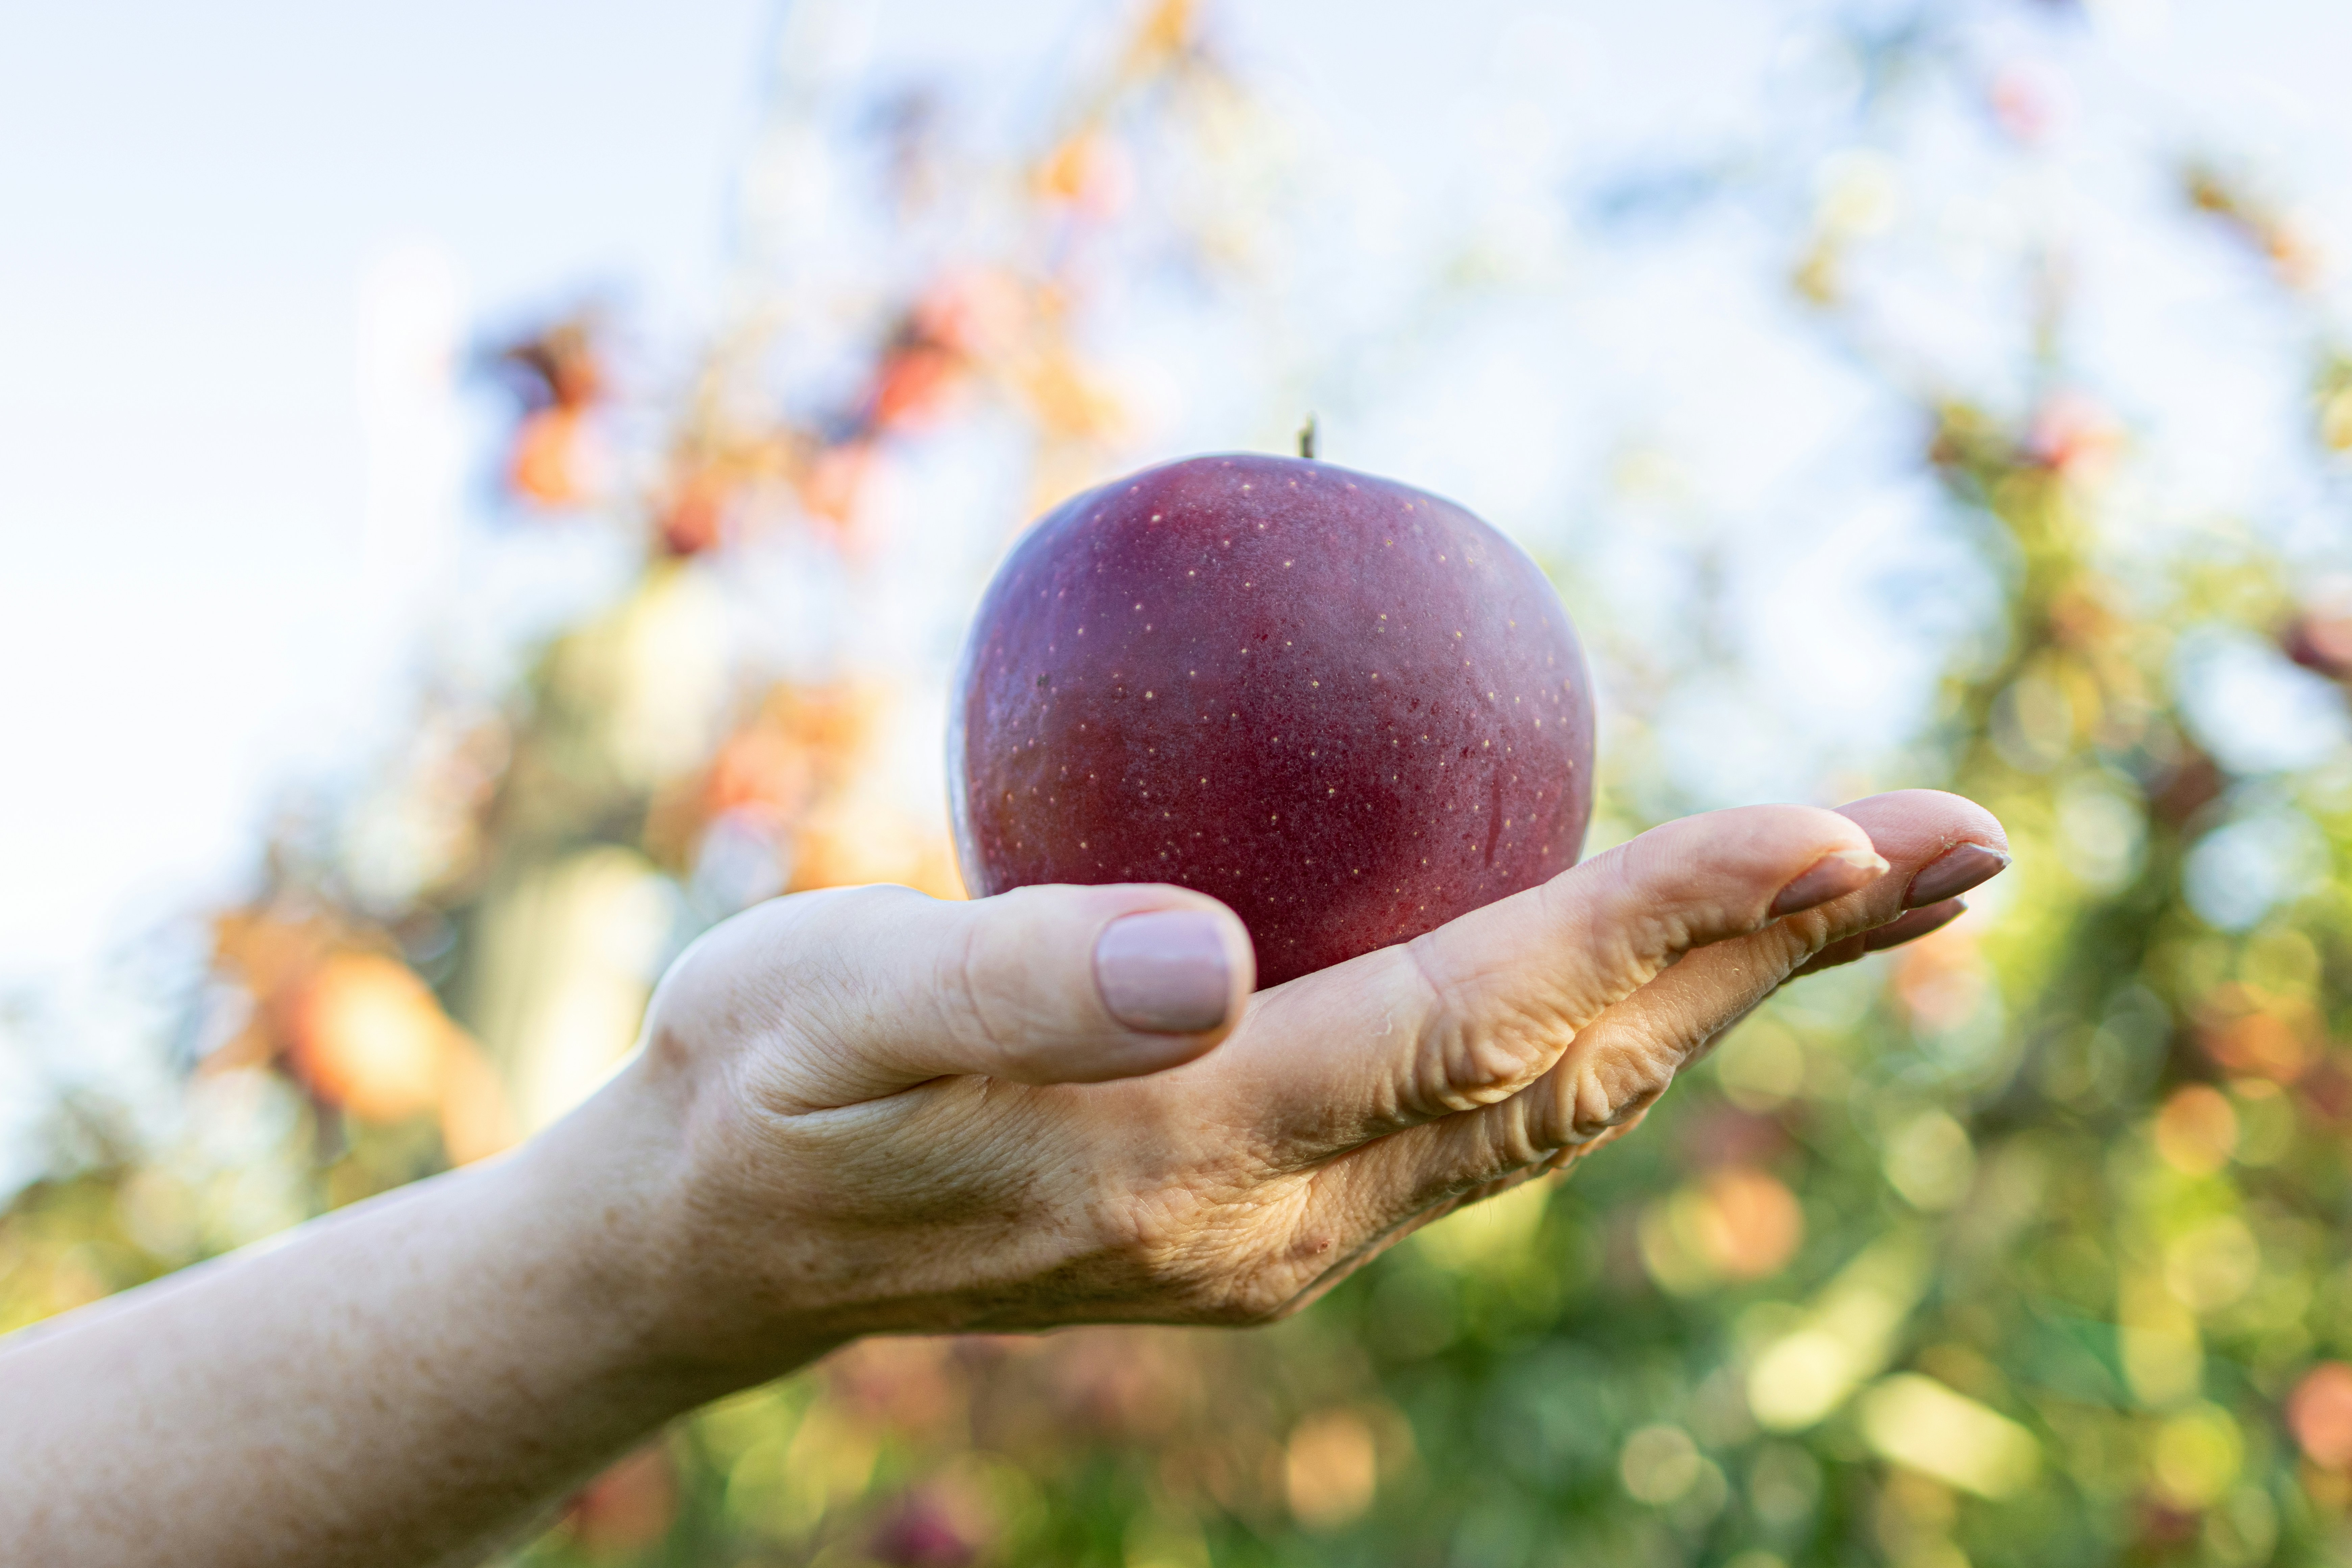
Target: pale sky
204, 206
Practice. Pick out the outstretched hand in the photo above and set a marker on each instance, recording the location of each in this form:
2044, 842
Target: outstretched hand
869, 1110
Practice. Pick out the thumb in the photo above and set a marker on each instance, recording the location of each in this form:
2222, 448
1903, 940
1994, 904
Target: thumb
876, 989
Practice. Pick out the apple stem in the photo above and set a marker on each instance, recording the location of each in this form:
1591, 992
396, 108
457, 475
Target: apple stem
1307, 439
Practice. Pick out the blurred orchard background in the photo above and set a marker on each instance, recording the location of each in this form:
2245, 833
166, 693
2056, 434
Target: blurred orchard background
491, 491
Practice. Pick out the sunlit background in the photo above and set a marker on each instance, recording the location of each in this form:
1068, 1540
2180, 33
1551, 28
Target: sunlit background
492, 490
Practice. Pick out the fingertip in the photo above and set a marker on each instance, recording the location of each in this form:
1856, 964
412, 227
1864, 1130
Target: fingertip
1905, 928
1913, 924
1797, 857
1833, 876
1901, 817
1717, 875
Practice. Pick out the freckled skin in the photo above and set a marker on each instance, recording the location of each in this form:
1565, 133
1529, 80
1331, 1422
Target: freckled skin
1347, 708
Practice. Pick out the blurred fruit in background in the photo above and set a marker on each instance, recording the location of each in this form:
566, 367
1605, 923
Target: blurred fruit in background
2024, 1246
558, 377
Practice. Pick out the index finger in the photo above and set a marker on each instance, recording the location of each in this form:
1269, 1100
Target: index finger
1470, 1014
1626, 1058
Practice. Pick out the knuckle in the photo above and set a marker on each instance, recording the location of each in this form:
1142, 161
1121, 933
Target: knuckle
1244, 1263
1516, 1136
1144, 1233
1627, 919
1197, 1258
981, 1012
1271, 1283
1252, 1300
1654, 879
1463, 1068
1799, 936
1479, 1049
872, 908
1601, 1090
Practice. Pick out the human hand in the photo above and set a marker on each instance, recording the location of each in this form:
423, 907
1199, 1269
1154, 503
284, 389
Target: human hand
871, 1111
867, 1111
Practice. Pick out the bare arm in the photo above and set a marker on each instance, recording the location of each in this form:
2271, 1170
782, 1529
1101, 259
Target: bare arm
870, 1112
397, 1383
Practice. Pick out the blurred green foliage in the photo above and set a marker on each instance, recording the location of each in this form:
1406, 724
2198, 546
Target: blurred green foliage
2022, 1246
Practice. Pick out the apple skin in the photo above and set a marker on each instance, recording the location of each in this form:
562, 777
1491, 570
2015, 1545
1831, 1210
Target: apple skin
1347, 708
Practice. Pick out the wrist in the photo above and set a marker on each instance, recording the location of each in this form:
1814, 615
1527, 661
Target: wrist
610, 1197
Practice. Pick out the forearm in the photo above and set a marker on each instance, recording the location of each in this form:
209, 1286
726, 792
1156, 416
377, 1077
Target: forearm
883, 1111
410, 1381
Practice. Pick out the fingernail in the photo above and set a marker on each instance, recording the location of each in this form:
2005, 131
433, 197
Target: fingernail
1958, 870
1915, 925
1833, 876
1164, 973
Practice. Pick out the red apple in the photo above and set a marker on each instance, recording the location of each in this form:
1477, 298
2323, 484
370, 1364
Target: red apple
1347, 708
